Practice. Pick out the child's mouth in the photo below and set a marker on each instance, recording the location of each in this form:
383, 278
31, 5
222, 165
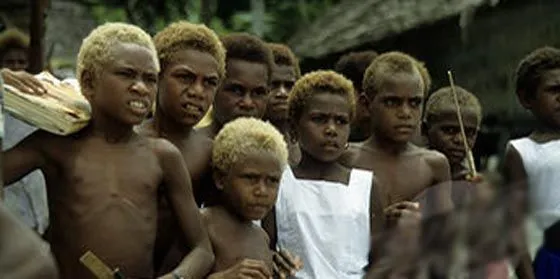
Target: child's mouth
138, 106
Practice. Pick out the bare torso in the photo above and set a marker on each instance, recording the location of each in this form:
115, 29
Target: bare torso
197, 152
102, 198
233, 240
404, 176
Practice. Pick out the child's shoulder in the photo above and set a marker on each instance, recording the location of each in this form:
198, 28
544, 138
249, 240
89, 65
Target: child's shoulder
433, 158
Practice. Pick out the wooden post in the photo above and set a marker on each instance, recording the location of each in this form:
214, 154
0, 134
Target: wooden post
36, 34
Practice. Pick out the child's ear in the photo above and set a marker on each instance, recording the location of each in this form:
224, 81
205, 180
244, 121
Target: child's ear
364, 100
86, 83
219, 179
292, 132
524, 99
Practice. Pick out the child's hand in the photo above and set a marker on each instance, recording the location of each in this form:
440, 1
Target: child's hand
285, 264
246, 269
477, 178
402, 211
23, 81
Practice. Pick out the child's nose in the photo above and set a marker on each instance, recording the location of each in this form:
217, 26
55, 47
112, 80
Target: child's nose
140, 87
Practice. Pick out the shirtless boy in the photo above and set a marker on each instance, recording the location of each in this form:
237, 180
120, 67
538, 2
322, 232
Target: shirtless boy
284, 74
249, 156
244, 91
394, 89
192, 62
103, 181
443, 132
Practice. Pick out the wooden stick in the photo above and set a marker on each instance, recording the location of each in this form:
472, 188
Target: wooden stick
470, 158
99, 268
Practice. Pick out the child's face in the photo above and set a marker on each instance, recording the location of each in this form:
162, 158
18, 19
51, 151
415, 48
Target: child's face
546, 105
244, 91
444, 133
324, 126
397, 107
282, 80
187, 86
14, 59
251, 186
126, 87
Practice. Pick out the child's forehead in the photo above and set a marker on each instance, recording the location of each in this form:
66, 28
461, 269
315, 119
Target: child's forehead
448, 115
194, 60
250, 74
399, 83
324, 98
257, 159
551, 77
131, 53
283, 72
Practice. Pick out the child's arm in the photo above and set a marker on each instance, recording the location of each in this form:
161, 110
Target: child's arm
23, 81
200, 259
516, 178
24, 158
442, 180
376, 206
23, 254
284, 262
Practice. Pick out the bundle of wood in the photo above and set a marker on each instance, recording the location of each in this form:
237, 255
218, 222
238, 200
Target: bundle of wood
62, 110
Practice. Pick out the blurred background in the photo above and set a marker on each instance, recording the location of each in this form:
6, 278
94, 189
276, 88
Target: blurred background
480, 40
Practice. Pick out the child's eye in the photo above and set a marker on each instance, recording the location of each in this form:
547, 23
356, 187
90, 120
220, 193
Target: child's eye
273, 180
260, 92
126, 74
186, 78
236, 89
416, 103
391, 102
341, 120
450, 130
319, 119
211, 82
275, 85
289, 85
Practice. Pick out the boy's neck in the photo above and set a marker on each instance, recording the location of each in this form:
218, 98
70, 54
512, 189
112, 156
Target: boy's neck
230, 212
545, 133
109, 129
315, 169
385, 145
215, 127
167, 127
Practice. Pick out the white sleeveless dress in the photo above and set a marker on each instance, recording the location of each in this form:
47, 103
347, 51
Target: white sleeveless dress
327, 224
542, 165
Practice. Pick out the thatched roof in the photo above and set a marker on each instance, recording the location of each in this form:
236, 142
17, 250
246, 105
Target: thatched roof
355, 22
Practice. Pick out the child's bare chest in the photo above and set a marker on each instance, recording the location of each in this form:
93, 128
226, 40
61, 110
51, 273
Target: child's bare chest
231, 248
403, 178
93, 175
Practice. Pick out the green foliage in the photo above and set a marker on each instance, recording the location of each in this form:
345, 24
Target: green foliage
281, 18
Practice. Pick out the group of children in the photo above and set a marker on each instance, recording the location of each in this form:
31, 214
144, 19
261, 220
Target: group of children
271, 186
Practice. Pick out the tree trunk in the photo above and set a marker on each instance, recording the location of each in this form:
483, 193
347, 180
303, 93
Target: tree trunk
36, 34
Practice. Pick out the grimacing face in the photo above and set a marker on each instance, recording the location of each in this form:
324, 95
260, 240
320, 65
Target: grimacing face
187, 86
